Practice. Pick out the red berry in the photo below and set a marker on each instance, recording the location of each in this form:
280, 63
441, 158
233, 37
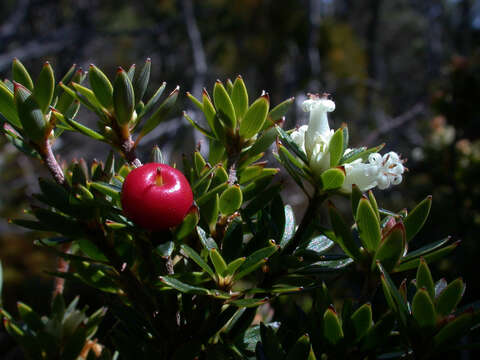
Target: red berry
156, 196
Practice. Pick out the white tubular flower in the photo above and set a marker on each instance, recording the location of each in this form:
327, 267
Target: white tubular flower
382, 171
314, 139
298, 136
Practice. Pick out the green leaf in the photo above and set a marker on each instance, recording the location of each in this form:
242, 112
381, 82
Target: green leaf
21, 75
224, 105
239, 98
183, 287
271, 344
280, 110
393, 296
325, 266
218, 262
335, 147
7, 107
301, 349
362, 321
30, 114
79, 127
289, 230
107, 189
261, 200
211, 116
229, 86
425, 249
391, 248
290, 144
315, 246
430, 257
123, 98
423, 309
211, 194
374, 204
332, 178
101, 86
453, 330
198, 127
356, 196
343, 235
449, 298
188, 224
131, 72
263, 142
95, 276
360, 153
161, 113
165, 250
255, 260
156, 155
140, 81
424, 279
87, 97
368, 225
207, 242
194, 100
233, 266
30, 317
417, 217
230, 200
216, 153
91, 249
192, 254
44, 87
332, 328
248, 303
255, 117
152, 102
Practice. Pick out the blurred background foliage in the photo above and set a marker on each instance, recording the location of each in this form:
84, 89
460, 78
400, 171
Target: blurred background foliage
403, 72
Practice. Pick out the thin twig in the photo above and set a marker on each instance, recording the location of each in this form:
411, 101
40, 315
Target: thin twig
57, 173
51, 163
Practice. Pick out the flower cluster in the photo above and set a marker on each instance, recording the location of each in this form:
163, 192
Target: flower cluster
314, 139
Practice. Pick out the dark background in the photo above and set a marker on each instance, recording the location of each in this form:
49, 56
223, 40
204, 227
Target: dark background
403, 72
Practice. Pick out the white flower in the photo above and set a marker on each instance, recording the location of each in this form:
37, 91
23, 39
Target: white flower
382, 171
314, 139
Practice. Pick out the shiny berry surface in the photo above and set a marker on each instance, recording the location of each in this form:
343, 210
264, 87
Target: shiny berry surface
156, 196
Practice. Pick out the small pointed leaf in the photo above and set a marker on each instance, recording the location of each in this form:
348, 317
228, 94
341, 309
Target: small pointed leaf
224, 105
450, 297
336, 147
231, 200
417, 217
21, 75
368, 225
253, 121
391, 248
423, 309
101, 86
424, 279
362, 320
44, 87
123, 98
239, 98
332, 328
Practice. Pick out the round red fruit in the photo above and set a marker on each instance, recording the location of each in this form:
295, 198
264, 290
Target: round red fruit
156, 196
